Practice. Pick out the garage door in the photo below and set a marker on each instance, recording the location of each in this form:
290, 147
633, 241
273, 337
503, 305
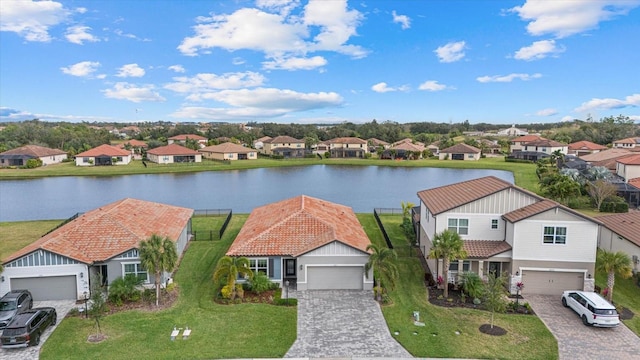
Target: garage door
334, 277
551, 282
48, 288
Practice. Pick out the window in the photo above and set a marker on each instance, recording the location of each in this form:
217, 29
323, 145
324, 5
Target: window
461, 226
136, 268
259, 265
494, 224
470, 156
466, 266
85, 160
555, 235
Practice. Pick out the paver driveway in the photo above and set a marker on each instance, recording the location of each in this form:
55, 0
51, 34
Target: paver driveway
32, 353
577, 341
342, 323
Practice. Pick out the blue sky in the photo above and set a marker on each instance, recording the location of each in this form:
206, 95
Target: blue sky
319, 61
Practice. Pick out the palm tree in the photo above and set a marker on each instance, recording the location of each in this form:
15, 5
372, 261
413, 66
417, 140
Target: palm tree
612, 264
406, 208
382, 260
158, 255
228, 270
447, 246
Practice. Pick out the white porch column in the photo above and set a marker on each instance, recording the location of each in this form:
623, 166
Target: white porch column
481, 268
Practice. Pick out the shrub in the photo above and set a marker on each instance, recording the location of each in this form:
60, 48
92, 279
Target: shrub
149, 295
227, 291
124, 289
260, 283
472, 284
580, 202
33, 163
476, 301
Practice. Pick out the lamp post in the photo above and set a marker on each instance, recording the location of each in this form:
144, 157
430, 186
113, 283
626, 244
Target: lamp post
86, 299
286, 289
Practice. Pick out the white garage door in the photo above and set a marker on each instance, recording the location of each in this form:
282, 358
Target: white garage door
49, 287
334, 277
551, 282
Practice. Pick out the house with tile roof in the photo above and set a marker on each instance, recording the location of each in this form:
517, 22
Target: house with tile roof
103, 155
309, 242
61, 264
137, 147
19, 156
173, 153
182, 139
285, 146
229, 151
584, 147
628, 167
347, 147
404, 150
517, 143
621, 232
507, 229
460, 151
375, 144
259, 143
628, 143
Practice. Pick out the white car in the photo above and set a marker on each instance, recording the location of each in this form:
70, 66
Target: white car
592, 308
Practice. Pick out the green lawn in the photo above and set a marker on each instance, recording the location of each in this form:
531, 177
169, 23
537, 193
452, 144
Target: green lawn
16, 235
625, 293
527, 336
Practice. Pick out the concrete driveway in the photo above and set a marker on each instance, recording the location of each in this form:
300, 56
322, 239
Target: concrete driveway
577, 341
342, 323
32, 353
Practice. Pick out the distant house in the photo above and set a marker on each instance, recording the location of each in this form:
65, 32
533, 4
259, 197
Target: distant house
259, 144
136, 147
405, 150
284, 146
434, 147
628, 167
173, 153
518, 143
20, 156
584, 147
490, 147
513, 131
229, 151
375, 144
103, 155
628, 143
460, 152
182, 139
606, 158
621, 232
311, 243
61, 264
546, 146
347, 147
407, 140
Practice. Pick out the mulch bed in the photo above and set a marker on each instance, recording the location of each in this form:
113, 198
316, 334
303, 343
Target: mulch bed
167, 299
436, 297
494, 331
265, 297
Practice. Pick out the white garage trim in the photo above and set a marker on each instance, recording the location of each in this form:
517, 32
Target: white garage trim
304, 271
552, 281
48, 287
335, 277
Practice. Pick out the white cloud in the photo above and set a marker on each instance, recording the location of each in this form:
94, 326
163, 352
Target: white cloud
432, 85
32, 19
130, 70
204, 83
237, 61
177, 68
451, 52
609, 103
82, 69
634, 117
538, 50
130, 36
295, 63
403, 20
508, 78
133, 93
280, 35
79, 34
546, 112
563, 18
382, 87
567, 118
283, 7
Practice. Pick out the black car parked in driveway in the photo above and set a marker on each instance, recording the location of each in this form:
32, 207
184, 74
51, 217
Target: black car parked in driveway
26, 328
12, 303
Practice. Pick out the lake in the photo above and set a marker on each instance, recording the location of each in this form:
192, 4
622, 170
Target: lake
361, 187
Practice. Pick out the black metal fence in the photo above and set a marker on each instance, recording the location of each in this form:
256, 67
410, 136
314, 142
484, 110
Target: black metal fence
64, 222
212, 234
389, 211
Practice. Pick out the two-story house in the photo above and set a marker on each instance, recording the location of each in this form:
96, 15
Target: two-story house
285, 146
344, 147
628, 167
507, 229
628, 143
182, 139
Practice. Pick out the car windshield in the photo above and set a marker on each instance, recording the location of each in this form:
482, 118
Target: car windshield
7, 305
605, 312
14, 331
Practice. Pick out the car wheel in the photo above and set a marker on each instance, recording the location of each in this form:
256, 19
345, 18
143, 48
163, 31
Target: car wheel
55, 319
36, 341
564, 302
584, 320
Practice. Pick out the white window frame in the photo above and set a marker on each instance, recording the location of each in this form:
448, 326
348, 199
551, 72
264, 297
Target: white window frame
555, 237
495, 224
457, 227
255, 266
138, 272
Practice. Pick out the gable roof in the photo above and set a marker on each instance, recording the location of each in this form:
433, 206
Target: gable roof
346, 140
586, 145
408, 147
635, 182
540, 207
544, 142
377, 142
184, 137
172, 149
482, 249
612, 153
630, 160
631, 140
111, 230
282, 140
527, 138
104, 150
33, 151
461, 148
227, 147
296, 226
134, 143
443, 198
626, 225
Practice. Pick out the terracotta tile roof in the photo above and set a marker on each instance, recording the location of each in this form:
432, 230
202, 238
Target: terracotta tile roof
443, 198
626, 225
526, 138
183, 137
264, 138
134, 143
609, 164
33, 151
605, 155
172, 149
630, 160
227, 147
461, 148
113, 229
104, 150
634, 182
530, 210
482, 249
407, 140
347, 140
408, 147
544, 142
283, 140
586, 145
296, 226
377, 142
631, 140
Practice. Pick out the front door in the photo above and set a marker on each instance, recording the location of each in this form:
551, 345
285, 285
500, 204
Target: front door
290, 267
495, 268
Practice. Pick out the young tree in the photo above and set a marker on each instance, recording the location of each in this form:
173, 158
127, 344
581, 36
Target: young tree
613, 263
447, 246
228, 269
600, 190
98, 304
382, 260
158, 255
494, 294
407, 224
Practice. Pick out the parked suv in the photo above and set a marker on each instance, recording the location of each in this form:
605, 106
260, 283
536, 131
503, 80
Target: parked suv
592, 308
26, 328
12, 303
